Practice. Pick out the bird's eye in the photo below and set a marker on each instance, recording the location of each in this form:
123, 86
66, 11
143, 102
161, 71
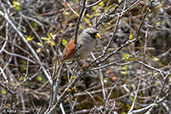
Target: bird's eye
93, 35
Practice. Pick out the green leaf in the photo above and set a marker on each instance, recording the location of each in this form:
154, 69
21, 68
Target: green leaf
38, 50
131, 58
169, 78
125, 67
88, 15
131, 36
80, 27
24, 62
94, 8
64, 42
107, 5
132, 98
29, 38
155, 58
21, 78
133, 86
87, 21
124, 113
66, 13
124, 72
39, 44
23, 67
73, 77
52, 43
51, 36
45, 38
155, 83
119, 1
70, 24
16, 5
34, 24
101, 4
97, 14
39, 78
125, 55
105, 80
3, 92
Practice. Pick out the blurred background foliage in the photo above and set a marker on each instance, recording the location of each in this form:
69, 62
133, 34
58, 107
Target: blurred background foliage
48, 25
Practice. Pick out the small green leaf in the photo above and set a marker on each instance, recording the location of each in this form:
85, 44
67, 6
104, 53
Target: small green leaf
125, 67
87, 21
131, 36
52, 43
66, 13
94, 8
133, 86
124, 72
101, 4
39, 44
119, 1
155, 83
131, 58
97, 14
163, 22
132, 98
70, 24
105, 80
29, 38
45, 38
23, 68
21, 78
64, 42
3, 92
72, 77
88, 15
34, 24
125, 55
39, 78
16, 5
24, 62
80, 27
155, 58
169, 78
51, 35
38, 50
157, 23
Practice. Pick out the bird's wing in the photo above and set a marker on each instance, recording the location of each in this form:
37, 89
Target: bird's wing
70, 46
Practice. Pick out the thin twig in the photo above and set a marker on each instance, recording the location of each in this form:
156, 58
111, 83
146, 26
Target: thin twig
20, 56
94, 4
5, 15
109, 43
101, 79
77, 54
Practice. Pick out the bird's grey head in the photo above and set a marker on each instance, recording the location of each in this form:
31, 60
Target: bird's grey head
90, 32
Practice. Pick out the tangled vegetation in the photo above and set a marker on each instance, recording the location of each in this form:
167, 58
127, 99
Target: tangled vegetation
129, 72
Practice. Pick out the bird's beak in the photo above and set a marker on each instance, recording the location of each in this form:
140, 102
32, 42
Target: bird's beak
98, 35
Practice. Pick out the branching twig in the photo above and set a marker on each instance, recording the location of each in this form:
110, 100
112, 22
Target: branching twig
109, 43
5, 15
20, 56
94, 4
77, 54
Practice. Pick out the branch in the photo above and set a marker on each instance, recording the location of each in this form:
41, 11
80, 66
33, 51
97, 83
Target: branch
5, 15
76, 33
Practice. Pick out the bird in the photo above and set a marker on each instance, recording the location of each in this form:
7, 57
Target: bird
86, 43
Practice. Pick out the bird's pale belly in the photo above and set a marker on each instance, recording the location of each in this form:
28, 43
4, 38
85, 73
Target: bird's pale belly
85, 52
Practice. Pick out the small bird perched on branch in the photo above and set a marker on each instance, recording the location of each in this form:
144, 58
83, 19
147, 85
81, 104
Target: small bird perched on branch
86, 43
